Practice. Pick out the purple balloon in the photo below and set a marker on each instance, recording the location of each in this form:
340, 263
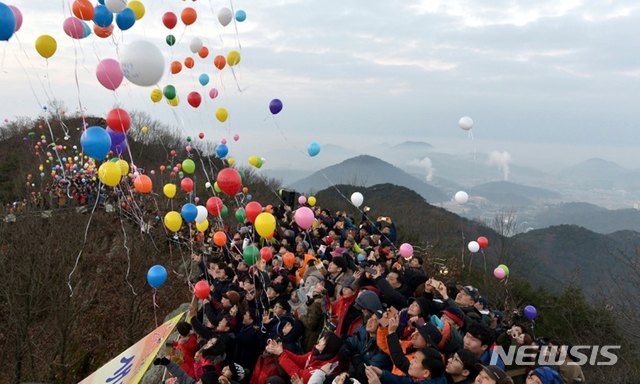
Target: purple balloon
275, 106
530, 312
119, 148
116, 137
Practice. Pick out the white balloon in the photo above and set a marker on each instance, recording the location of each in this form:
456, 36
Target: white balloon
473, 246
461, 197
263, 160
142, 63
207, 185
466, 123
225, 16
202, 214
196, 45
357, 199
115, 6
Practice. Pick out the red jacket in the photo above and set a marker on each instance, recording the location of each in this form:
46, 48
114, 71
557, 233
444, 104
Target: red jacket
302, 365
188, 349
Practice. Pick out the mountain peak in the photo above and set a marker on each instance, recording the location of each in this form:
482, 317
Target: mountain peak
413, 144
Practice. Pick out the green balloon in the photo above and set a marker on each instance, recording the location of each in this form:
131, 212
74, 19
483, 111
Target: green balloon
170, 92
240, 215
43, 137
188, 139
251, 254
504, 268
171, 40
241, 175
114, 160
216, 188
181, 174
259, 165
280, 192
32, 134
189, 166
224, 212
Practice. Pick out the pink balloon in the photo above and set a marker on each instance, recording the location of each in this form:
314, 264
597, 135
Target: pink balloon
153, 172
73, 27
406, 250
302, 200
188, 148
197, 199
213, 93
236, 137
109, 74
223, 141
175, 169
18, 15
499, 273
304, 217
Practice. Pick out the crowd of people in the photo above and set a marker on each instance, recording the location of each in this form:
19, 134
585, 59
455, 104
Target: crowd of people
339, 305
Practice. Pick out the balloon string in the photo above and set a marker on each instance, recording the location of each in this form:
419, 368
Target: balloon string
124, 243
235, 24
474, 144
155, 306
462, 233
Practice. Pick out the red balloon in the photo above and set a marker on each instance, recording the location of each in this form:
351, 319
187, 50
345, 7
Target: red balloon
266, 254
220, 62
118, 120
328, 240
194, 99
201, 135
229, 182
214, 206
187, 184
482, 242
170, 20
173, 152
252, 210
202, 290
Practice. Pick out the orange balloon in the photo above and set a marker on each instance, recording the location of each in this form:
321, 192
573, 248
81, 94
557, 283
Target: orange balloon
189, 16
288, 259
220, 238
268, 208
176, 67
83, 10
219, 61
162, 168
204, 52
143, 184
103, 32
245, 190
188, 62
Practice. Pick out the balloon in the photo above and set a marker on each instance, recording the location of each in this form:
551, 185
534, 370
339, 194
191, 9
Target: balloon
499, 273
213, 93
124, 167
142, 63
96, 143
103, 32
169, 92
83, 10
73, 27
222, 115
137, 8
202, 290
233, 58
214, 206
201, 227
482, 242
231, 161
406, 250
466, 123
189, 212
202, 214
115, 6
220, 238
170, 20
186, 184
229, 182
220, 62
504, 268
266, 253
252, 210
265, 224
215, 187
530, 312
240, 215
188, 16
156, 276
169, 190
253, 160
176, 67
173, 221
188, 166
18, 16
174, 102
204, 79
196, 45
241, 16
201, 135
194, 99
8, 22
357, 199
304, 217
143, 184
102, 17
118, 120
189, 62
288, 260
251, 254
473, 247
311, 201
302, 200
156, 95
224, 212
313, 149
225, 16
46, 46
109, 174
109, 74
119, 148
222, 150
236, 137
461, 197
171, 40
126, 19
203, 53
275, 106
87, 30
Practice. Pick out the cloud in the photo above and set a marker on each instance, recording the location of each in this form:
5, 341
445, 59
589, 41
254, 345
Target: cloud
502, 160
427, 165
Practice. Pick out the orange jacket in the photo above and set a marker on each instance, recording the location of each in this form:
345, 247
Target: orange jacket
381, 340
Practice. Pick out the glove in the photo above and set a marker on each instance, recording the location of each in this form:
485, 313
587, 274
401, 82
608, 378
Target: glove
161, 361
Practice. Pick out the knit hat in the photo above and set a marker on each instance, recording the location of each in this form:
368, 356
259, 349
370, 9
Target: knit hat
233, 296
547, 375
495, 373
237, 372
340, 262
455, 314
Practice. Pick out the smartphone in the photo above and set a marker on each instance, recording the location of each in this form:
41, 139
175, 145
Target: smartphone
435, 284
334, 365
393, 311
322, 249
370, 270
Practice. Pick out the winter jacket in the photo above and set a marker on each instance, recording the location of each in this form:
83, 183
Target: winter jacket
303, 365
303, 269
311, 277
485, 359
313, 322
402, 352
390, 378
336, 283
363, 349
180, 374
247, 346
397, 298
188, 346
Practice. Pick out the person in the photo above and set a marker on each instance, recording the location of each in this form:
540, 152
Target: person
479, 340
461, 367
313, 320
187, 344
426, 368
361, 349
568, 370
337, 273
545, 375
209, 377
491, 375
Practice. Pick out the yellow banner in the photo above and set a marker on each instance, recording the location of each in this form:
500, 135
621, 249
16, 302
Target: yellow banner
129, 366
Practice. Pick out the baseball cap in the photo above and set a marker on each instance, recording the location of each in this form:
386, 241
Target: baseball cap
471, 291
455, 314
430, 333
495, 373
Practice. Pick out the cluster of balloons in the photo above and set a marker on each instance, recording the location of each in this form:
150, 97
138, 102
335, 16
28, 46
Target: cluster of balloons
10, 21
257, 161
501, 271
475, 246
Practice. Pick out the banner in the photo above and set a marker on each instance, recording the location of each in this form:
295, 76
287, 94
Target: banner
129, 366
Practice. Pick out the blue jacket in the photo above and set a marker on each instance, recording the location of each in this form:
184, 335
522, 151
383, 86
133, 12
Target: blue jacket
388, 377
364, 345
485, 359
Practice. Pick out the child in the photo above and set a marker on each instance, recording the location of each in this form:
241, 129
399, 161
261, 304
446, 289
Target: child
426, 367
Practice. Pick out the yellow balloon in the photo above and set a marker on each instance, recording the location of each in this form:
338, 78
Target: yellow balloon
173, 221
137, 8
109, 174
124, 167
46, 46
311, 201
233, 58
222, 115
174, 102
201, 227
169, 190
253, 160
145, 129
265, 224
156, 95
315, 224
231, 161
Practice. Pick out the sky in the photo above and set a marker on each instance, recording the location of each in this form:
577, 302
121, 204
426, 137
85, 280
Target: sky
551, 82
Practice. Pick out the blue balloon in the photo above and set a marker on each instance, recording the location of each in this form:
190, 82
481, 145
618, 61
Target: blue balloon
101, 2
222, 150
204, 79
241, 15
156, 276
189, 212
126, 19
7, 22
87, 29
102, 16
96, 143
249, 197
313, 149
41, 174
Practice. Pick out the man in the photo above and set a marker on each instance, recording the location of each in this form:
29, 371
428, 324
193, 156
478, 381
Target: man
461, 367
362, 350
338, 272
465, 299
479, 340
392, 288
491, 375
425, 368
416, 265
